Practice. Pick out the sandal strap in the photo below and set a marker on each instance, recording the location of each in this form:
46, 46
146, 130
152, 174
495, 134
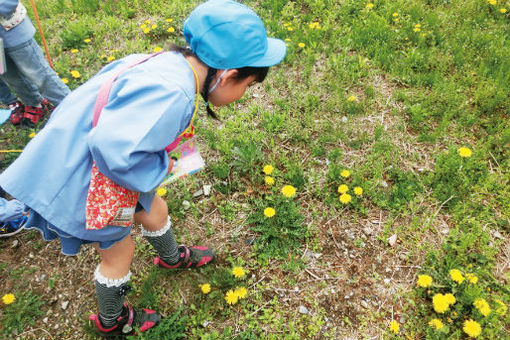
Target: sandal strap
131, 314
187, 254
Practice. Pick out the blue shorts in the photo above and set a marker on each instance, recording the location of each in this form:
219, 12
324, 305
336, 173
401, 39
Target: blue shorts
70, 244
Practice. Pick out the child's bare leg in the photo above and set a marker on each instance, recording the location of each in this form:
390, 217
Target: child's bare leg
116, 260
157, 229
110, 279
157, 218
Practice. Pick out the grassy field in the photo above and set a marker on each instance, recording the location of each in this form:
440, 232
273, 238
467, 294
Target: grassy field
391, 121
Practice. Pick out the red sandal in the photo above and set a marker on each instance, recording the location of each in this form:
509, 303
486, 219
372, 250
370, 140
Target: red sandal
189, 257
17, 111
130, 321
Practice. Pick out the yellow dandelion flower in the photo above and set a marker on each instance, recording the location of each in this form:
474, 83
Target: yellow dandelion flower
345, 173
161, 192
472, 278
75, 50
301, 45
169, 20
314, 25
65, 80
154, 26
241, 292
342, 189
416, 29
395, 14
170, 30
465, 152
288, 191
493, 2
238, 272
436, 323
31, 135
472, 328
143, 26
288, 39
397, 20
231, 297
424, 281
502, 307
75, 74
7, 299
394, 326
450, 298
290, 29
456, 276
482, 306
147, 21
440, 303
351, 98
102, 56
269, 212
345, 198
502, 10
110, 58
146, 30
268, 169
86, 40
369, 5
269, 180
358, 191
417, 25
206, 288
157, 49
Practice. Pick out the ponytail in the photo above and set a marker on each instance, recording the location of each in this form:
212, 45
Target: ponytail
211, 72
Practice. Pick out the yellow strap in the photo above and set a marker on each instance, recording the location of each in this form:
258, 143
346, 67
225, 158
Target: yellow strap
189, 128
7, 151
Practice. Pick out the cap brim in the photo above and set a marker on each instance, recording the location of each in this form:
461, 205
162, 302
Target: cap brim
276, 50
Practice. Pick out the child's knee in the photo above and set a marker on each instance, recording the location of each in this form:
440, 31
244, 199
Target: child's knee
157, 217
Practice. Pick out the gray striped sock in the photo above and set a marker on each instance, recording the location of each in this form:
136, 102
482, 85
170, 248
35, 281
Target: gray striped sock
163, 241
109, 297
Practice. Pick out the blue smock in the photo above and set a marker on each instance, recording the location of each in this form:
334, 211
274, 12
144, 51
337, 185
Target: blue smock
149, 106
10, 210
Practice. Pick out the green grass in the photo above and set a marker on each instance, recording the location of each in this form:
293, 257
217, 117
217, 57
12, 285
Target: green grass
390, 93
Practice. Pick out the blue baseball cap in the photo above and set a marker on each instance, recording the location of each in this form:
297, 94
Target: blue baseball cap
225, 34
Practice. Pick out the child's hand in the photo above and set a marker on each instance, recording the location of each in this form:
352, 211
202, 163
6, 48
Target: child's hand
171, 163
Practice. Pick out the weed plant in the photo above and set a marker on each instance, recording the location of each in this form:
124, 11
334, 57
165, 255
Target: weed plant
276, 217
24, 311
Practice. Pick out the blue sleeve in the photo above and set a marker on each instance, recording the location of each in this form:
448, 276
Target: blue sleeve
10, 210
7, 7
141, 118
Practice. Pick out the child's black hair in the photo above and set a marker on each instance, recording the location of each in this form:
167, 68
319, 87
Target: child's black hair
260, 74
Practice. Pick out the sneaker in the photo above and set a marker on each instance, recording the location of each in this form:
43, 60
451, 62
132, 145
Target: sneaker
47, 106
33, 114
12, 227
130, 322
17, 111
189, 257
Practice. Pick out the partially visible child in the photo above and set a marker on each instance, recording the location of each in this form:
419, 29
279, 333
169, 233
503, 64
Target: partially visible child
30, 101
152, 100
12, 216
25, 60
